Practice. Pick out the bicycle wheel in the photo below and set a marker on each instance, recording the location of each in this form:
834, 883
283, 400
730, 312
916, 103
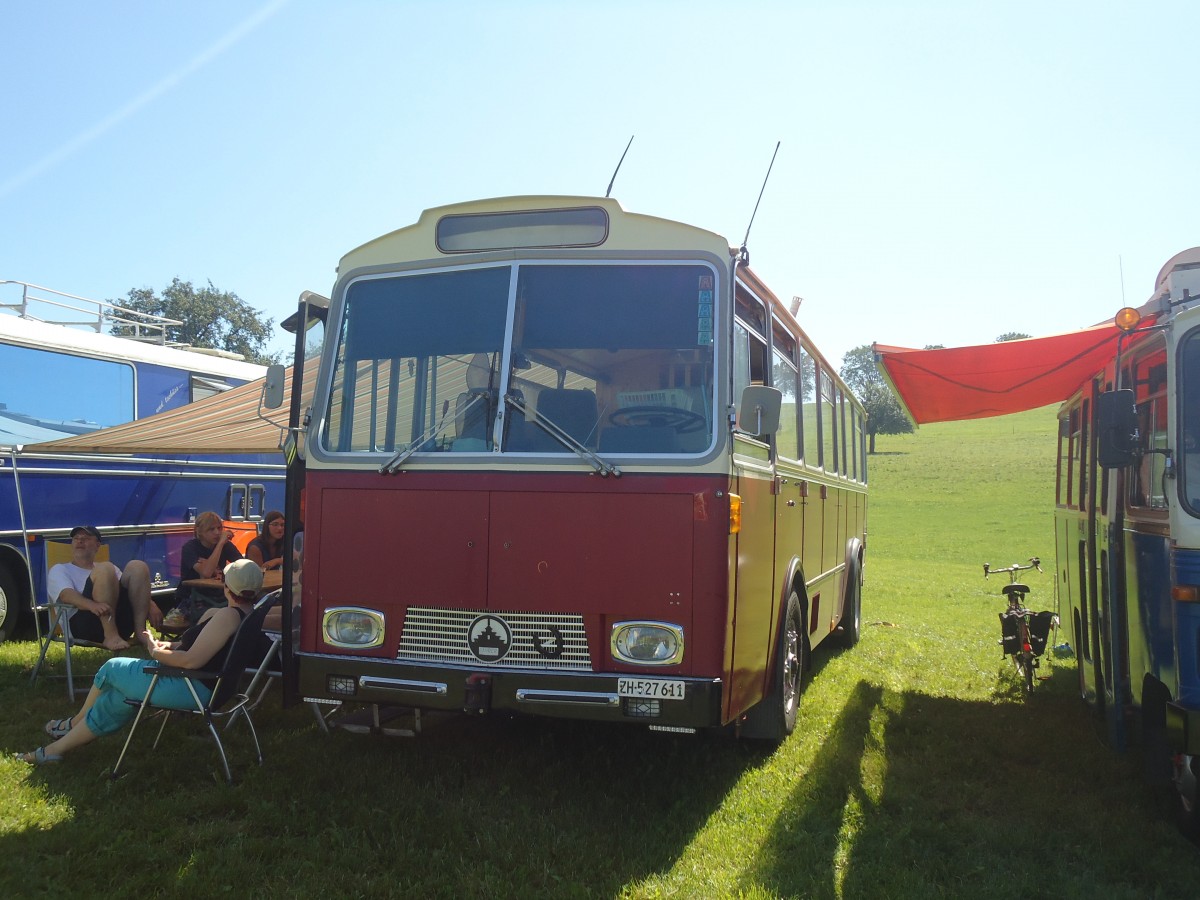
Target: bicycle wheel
1026, 666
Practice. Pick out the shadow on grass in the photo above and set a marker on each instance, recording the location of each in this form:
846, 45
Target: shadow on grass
916, 796
472, 807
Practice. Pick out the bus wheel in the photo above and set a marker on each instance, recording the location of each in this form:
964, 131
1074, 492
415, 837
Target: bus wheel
774, 717
10, 605
850, 627
1187, 794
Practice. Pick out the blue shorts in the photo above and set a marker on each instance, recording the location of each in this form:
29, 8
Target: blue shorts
122, 677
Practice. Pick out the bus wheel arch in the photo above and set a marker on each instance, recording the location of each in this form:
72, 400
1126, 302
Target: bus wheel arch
774, 717
14, 592
1173, 778
850, 621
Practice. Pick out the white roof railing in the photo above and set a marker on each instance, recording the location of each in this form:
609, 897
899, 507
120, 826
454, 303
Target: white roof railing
145, 327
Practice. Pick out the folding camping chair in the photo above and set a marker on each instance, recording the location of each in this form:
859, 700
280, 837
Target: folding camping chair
267, 670
225, 699
58, 630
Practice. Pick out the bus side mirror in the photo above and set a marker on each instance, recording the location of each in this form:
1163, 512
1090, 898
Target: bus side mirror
758, 411
1117, 429
272, 395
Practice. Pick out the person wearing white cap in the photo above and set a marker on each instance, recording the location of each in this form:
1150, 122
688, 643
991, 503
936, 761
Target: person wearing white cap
105, 710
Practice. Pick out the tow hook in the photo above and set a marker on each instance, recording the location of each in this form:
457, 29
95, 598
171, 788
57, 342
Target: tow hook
478, 697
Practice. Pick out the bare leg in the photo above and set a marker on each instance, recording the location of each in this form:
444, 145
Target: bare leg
88, 702
106, 590
136, 580
79, 735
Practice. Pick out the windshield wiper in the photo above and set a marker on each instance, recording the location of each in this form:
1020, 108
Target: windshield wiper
392, 466
548, 426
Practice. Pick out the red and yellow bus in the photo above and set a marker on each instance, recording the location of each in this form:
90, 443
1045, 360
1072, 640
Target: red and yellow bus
566, 460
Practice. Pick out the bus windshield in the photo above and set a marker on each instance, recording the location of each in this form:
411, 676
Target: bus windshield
614, 357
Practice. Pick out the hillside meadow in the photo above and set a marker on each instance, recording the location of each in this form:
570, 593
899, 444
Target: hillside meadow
917, 769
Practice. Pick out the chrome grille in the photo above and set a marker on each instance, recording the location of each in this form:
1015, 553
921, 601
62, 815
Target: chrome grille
440, 636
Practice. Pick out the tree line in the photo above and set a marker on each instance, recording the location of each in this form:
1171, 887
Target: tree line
212, 318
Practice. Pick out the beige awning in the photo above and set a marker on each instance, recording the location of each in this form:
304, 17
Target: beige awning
224, 423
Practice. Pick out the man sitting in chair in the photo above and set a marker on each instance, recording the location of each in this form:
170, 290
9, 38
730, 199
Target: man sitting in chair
111, 606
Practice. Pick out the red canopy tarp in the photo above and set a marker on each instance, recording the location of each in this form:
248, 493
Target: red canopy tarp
995, 379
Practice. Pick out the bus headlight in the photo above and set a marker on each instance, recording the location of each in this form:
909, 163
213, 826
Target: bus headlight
647, 643
352, 626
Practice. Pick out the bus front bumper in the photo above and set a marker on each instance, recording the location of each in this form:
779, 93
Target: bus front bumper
574, 695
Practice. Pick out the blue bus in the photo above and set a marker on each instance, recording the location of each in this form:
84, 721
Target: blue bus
65, 378
1127, 511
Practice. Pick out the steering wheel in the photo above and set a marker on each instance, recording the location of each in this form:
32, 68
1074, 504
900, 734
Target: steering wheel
684, 421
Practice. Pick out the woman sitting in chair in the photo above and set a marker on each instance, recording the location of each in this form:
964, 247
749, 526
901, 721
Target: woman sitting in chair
267, 548
105, 710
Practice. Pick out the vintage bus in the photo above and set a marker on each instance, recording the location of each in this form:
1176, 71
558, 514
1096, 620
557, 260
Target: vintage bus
1128, 533
65, 380
570, 461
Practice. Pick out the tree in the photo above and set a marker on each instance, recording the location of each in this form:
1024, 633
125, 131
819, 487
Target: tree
884, 414
220, 320
1011, 336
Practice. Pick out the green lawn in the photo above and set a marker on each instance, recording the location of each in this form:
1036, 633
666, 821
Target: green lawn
916, 770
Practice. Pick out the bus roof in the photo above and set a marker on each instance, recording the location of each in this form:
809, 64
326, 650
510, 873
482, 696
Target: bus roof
626, 231
53, 336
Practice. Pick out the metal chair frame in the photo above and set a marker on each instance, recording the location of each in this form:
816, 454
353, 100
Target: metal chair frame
226, 700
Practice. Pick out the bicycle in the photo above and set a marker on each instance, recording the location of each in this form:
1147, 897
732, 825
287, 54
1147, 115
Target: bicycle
1024, 633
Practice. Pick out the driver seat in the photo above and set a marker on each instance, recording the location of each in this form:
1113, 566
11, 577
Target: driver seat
574, 411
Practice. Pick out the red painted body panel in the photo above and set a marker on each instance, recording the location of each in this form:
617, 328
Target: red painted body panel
651, 547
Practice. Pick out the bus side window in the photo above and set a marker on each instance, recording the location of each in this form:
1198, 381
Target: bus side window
1062, 481
842, 432
809, 432
749, 361
1150, 381
829, 441
784, 378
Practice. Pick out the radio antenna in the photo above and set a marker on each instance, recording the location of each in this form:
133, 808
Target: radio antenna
618, 168
743, 253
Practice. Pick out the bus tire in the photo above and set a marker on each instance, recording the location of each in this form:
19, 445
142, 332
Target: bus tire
774, 717
1187, 796
10, 605
850, 626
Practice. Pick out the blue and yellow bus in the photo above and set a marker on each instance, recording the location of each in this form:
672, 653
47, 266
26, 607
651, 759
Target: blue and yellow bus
1128, 533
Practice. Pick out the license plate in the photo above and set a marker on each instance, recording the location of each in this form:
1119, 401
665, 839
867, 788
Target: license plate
650, 688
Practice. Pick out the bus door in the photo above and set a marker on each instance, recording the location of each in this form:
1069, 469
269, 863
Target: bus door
755, 603
752, 549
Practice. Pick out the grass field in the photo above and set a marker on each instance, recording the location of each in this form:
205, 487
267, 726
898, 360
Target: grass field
916, 770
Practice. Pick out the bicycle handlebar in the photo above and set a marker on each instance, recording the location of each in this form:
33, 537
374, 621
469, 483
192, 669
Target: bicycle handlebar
1035, 562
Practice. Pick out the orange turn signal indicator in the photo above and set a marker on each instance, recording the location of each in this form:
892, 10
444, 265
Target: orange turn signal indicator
1185, 593
1127, 318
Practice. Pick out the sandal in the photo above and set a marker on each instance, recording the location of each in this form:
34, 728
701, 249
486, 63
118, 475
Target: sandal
57, 728
39, 757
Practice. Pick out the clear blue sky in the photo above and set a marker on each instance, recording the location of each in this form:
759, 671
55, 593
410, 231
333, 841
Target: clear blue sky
949, 171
